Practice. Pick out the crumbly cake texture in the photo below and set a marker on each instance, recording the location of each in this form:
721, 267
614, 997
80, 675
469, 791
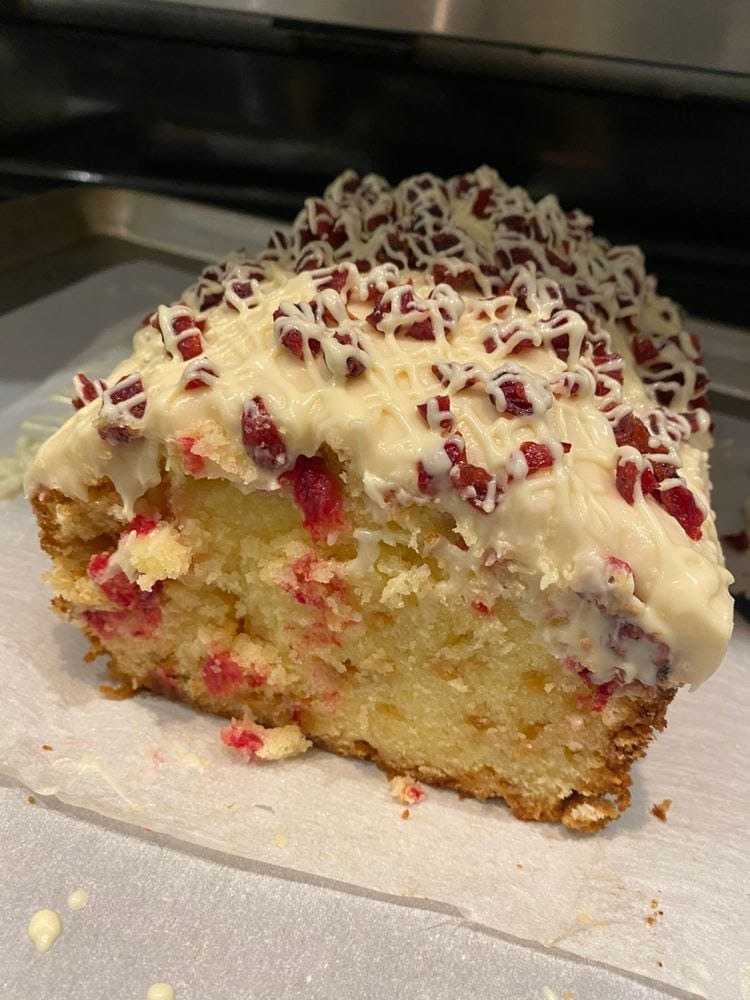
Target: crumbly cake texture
424, 482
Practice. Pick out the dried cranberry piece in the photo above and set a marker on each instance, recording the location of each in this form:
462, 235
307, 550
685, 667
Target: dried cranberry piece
142, 524
436, 413
293, 342
425, 482
516, 400
261, 436
602, 694
462, 281
630, 430
422, 330
194, 464
210, 300
461, 376
198, 375
336, 281
114, 585
354, 365
561, 346
643, 349
181, 333
481, 206
126, 392
663, 470
680, 503
317, 492
376, 221
86, 390
473, 483
522, 255
221, 674
538, 456
444, 241
626, 479
139, 621
236, 736
648, 482
115, 407
566, 266
455, 449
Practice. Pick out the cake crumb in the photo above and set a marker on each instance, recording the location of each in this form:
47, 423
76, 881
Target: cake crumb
519, 866
280, 839
253, 741
119, 693
405, 789
46, 746
31, 800
78, 899
406, 814
660, 809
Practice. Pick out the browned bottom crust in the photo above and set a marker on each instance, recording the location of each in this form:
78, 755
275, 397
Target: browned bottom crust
587, 812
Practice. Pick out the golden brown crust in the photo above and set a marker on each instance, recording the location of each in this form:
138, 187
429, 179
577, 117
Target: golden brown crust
605, 797
629, 742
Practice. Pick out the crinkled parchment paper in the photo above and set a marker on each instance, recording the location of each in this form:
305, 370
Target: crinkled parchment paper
155, 764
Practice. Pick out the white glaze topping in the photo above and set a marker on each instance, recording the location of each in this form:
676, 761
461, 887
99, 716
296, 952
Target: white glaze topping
455, 343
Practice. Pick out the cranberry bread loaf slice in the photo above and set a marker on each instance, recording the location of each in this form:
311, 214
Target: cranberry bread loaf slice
424, 482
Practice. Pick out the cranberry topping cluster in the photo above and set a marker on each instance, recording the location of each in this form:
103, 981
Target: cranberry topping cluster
538, 262
648, 464
123, 409
234, 280
322, 326
532, 273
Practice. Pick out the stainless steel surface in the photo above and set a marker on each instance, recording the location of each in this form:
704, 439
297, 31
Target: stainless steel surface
698, 33
666, 48
49, 240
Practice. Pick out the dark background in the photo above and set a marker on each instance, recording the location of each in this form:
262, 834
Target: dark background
256, 117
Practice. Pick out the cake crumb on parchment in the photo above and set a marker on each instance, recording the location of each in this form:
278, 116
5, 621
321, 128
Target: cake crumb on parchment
661, 809
406, 790
652, 918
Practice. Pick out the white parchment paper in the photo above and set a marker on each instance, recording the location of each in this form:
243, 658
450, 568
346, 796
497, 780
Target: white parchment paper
158, 765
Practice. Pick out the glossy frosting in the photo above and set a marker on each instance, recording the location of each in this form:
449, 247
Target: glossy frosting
434, 335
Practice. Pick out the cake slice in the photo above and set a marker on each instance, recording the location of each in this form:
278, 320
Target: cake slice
424, 482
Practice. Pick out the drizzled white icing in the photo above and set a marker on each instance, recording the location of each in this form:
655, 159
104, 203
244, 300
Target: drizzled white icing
458, 344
